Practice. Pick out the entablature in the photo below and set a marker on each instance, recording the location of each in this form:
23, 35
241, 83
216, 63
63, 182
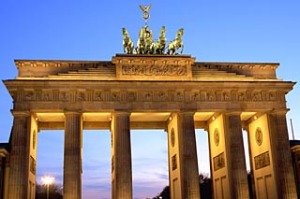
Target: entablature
144, 95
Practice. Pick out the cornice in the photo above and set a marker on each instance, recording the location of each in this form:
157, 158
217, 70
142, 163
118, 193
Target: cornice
255, 70
60, 63
127, 67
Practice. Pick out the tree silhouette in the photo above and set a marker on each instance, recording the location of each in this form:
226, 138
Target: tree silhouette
55, 191
205, 189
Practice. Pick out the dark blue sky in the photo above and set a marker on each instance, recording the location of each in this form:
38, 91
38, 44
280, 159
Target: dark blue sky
221, 31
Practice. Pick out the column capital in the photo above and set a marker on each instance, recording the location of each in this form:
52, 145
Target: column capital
187, 112
184, 112
279, 112
229, 113
17, 113
119, 113
72, 112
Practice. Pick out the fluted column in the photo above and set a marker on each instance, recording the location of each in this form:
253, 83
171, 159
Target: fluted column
183, 163
235, 156
19, 156
72, 156
188, 155
2, 170
6, 178
279, 139
121, 156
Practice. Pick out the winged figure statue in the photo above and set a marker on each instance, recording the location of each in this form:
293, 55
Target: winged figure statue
145, 8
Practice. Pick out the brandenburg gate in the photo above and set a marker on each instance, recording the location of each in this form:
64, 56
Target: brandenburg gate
171, 92
147, 88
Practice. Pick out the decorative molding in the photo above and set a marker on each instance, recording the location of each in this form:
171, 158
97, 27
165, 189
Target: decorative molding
259, 136
173, 139
216, 136
137, 65
61, 64
256, 70
174, 162
32, 165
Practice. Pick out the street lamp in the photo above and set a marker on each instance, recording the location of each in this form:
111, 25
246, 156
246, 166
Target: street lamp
47, 180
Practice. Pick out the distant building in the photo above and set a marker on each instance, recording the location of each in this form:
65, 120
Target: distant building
295, 148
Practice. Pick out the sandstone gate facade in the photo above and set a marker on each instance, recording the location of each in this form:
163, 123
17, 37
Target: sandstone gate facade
171, 92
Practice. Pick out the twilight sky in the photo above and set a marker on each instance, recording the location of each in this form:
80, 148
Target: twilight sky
217, 31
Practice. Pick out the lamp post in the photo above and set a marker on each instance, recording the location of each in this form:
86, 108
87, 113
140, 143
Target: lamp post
47, 180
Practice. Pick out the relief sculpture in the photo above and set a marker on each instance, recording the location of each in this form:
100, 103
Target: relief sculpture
153, 95
153, 70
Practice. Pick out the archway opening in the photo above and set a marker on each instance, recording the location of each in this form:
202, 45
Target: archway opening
250, 179
149, 162
246, 149
203, 152
96, 176
50, 155
204, 163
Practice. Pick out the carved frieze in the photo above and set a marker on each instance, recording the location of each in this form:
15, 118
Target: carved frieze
98, 96
155, 95
64, 96
145, 96
154, 70
29, 95
179, 96
196, 96
81, 96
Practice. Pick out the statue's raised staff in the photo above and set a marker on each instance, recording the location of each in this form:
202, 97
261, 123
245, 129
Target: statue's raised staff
127, 42
160, 45
145, 41
177, 43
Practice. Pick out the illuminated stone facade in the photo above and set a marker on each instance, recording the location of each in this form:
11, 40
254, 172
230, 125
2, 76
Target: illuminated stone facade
168, 92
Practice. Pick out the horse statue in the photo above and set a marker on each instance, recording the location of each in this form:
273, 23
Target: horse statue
177, 43
159, 46
127, 42
145, 41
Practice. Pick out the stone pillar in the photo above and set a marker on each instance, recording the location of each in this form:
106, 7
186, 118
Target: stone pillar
72, 156
183, 164
2, 170
121, 156
6, 177
19, 156
279, 140
235, 156
227, 156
